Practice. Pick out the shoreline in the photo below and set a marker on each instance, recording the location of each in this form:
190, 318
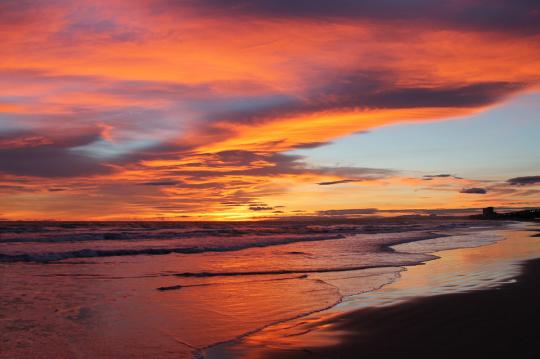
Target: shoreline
352, 330
393, 247
227, 310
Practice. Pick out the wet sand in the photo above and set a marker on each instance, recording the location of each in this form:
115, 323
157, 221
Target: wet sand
434, 310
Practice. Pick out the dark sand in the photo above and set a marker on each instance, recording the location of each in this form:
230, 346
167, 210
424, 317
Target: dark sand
481, 324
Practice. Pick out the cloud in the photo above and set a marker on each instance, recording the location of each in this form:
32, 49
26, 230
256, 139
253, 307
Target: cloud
17, 12
186, 185
97, 27
260, 208
161, 183
370, 89
436, 176
24, 141
53, 156
347, 212
310, 145
502, 15
474, 190
329, 183
444, 175
383, 92
176, 107
524, 181
264, 164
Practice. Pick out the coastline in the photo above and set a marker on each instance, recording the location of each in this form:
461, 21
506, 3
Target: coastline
416, 316
203, 315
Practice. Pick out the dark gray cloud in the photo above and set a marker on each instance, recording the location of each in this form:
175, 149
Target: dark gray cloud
329, 183
372, 89
186, 185
348, 212
524, 181
260, 208
444, 175
161, 183
375, 90
474, 190
310, 145
521, 16
54, 156
49, 162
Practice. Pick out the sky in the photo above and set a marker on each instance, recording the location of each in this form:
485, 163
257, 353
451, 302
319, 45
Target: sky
232, 110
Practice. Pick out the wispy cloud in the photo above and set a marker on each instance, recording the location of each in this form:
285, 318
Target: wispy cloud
524, 181
474, 190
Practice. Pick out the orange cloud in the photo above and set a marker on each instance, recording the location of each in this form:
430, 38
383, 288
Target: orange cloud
154, 110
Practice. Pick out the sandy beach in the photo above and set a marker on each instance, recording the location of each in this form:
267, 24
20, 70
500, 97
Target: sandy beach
472, 301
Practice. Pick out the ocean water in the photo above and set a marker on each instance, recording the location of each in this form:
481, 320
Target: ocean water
171, 290
466, 262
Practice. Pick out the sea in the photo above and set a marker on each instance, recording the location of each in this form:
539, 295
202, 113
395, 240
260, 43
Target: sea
176, 289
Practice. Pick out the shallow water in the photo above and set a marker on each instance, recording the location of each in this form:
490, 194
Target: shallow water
229, 280
461, 267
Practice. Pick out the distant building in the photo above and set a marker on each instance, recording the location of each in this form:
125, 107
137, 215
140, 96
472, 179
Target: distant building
489, 212
532, 214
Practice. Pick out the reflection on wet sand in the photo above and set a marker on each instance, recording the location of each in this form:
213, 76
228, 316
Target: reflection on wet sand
456, 271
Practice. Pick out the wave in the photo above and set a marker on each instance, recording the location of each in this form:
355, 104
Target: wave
25, 232
83, 240
91, 253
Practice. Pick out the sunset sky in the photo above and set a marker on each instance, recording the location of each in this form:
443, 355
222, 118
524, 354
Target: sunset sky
229, 109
